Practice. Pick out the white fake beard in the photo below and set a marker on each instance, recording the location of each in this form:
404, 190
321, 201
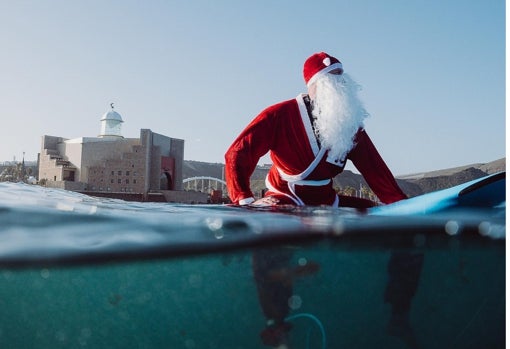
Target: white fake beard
339, 113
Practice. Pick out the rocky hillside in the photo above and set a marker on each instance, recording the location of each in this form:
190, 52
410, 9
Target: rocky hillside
412, 185
447, 178
197, 168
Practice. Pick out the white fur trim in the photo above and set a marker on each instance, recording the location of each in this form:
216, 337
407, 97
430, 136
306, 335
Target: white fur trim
301, 176
270, 186
336, 202
324, 71
246, 201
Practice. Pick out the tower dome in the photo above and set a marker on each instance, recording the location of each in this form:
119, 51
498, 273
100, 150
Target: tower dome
111, 124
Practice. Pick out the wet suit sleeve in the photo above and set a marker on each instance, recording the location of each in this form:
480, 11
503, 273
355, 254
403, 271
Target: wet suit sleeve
372, 167
243, 155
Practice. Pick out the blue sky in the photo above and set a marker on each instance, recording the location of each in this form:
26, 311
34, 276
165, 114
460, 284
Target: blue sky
433, 72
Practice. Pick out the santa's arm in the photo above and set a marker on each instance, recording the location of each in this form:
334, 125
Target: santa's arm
243, 155
372, 167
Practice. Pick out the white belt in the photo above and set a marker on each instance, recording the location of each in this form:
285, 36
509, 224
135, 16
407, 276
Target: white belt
294, 197
291, 183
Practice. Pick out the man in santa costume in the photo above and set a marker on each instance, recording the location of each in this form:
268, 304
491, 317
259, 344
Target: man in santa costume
310, 138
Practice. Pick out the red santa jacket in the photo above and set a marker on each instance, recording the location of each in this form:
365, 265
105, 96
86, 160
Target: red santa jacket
300, 173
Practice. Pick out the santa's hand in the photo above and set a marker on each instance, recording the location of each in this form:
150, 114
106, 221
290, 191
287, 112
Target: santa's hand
267, 201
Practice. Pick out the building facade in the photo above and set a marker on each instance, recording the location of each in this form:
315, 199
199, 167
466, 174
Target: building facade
110, 163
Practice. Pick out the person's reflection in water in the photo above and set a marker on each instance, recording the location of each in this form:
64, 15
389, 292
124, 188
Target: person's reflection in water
274, 277
404, 270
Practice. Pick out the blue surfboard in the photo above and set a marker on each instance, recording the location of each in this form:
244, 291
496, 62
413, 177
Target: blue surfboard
486, 192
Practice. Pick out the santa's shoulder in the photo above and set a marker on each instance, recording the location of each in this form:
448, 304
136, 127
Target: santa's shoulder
287, 107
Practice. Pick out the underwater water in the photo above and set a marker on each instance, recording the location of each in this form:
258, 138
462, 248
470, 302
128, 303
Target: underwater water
78, 271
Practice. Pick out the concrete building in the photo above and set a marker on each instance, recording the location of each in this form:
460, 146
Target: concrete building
110, 163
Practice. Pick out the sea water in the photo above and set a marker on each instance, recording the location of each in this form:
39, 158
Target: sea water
78, 271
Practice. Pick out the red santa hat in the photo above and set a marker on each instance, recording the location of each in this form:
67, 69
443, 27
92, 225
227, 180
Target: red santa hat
319, 64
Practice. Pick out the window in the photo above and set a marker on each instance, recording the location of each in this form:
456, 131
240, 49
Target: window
111, 181
127, 181
119, 180
113, 172
127, 173
119, 173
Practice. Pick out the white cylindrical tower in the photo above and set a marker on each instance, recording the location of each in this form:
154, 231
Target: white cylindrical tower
111, 124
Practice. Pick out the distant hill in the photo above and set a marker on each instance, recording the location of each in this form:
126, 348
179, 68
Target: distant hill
412, 185
197, 168
488, 168
447, 178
